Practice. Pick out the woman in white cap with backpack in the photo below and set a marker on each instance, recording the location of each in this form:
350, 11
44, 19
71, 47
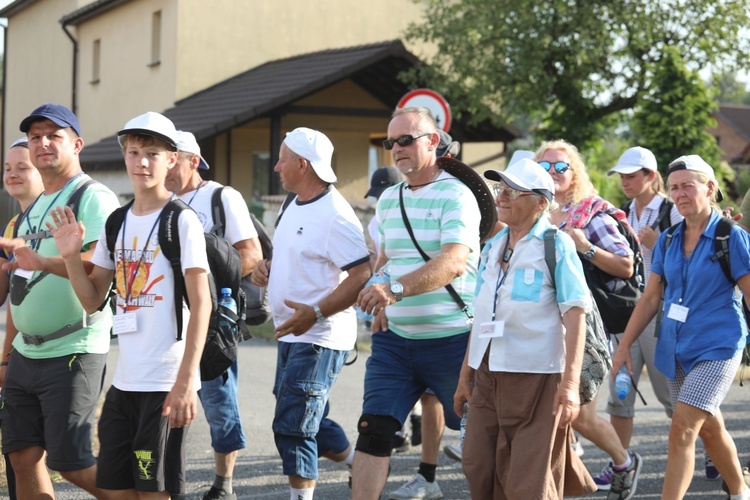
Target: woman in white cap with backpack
702, 331
522, 367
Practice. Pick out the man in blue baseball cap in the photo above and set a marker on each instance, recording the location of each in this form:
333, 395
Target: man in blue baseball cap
52, 370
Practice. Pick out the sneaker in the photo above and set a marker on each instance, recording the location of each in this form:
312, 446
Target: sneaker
604, 479
217, 493
711, 473
401, 443
453, 452
416, 430
625, 482
417, 488
578, 448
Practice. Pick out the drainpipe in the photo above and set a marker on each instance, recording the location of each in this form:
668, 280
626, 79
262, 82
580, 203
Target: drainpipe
73, 96
4, 96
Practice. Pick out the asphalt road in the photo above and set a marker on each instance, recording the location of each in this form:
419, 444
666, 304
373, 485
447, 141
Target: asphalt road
258, 472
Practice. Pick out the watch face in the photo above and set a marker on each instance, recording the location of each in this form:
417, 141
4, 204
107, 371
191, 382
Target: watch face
397, 288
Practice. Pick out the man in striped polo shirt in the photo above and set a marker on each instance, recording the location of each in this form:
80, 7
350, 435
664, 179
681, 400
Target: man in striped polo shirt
419, 331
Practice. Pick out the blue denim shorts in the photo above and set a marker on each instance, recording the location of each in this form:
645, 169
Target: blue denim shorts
400, 370
220, 404
305, 374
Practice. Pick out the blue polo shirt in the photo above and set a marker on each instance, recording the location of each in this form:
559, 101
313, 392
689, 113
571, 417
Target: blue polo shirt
715, 327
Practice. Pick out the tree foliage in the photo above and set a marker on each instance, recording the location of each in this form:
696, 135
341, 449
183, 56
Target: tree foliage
673, 118
729, 90
571, 65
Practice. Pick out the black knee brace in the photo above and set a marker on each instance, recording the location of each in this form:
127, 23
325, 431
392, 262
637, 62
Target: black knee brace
376, 433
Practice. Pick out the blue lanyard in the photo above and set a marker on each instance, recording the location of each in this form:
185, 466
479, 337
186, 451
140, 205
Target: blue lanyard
196, 192
37, 242
129, 285
501, 276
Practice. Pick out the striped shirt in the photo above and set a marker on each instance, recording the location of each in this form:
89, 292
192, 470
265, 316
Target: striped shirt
441, 213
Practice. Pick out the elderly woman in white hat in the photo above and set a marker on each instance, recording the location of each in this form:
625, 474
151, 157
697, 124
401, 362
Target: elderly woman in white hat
702, 330
525, 351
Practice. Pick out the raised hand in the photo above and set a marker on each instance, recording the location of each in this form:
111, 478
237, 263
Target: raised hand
68, 232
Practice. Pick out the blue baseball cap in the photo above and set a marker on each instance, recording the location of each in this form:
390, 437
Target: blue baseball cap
57, 113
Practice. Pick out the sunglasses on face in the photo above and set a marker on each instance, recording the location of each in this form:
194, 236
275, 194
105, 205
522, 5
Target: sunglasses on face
560, 166
403, 141
511, 193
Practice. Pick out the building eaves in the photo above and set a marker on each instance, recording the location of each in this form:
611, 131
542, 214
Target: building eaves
89, 11
736, 116
15, 7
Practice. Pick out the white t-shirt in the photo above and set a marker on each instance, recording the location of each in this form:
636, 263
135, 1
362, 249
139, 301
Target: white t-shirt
150, 357
239, 226
314, 244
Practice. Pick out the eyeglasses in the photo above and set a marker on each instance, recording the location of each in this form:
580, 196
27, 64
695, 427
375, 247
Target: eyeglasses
511, 193
560, 166
403, 141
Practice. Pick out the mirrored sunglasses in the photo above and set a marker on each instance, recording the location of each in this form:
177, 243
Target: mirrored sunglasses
560, 166
403, 141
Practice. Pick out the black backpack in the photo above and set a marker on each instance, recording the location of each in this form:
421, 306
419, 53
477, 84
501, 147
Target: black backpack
257, 309
220, 351
663, 219
616, 307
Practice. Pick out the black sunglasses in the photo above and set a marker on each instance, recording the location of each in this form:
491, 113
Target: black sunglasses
560, 166
403, 141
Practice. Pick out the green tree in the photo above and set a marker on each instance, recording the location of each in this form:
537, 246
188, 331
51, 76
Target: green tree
729, 90
570, 65
673, 117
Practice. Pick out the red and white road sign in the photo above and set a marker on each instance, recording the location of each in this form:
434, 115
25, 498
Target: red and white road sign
436, 103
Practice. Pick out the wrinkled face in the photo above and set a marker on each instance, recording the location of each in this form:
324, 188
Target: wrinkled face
636, 183
289, 168
52, 147
563, 181
417, 155
148, 163
515, 212
21, 178
179, 176
690, 195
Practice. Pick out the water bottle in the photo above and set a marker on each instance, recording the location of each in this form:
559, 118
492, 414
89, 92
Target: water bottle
225, 323
464, 418
622, 382
381, 276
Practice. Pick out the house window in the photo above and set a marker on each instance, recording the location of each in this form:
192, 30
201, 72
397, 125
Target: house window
155, 39
95, 61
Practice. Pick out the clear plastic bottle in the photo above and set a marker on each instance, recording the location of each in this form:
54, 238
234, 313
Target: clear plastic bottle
464, 418
226, 300
622, 382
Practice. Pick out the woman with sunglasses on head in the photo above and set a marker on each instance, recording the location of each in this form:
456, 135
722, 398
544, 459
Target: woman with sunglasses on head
703, 330
582, 214
522, 368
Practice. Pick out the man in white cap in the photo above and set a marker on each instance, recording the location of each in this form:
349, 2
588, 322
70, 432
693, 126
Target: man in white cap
55, 364
322, 262
218, 396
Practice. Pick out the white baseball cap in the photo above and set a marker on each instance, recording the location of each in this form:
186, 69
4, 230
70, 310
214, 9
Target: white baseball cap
314, 147
153, 124
633, 160
696, 164
525, 175
520, 154
186, 142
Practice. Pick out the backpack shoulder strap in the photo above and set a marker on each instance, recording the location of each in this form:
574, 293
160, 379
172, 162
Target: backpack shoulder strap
112, 227
721, 246
169, 242
549, 251
625, 207
74, 201
289, 198
217, 213
663, 219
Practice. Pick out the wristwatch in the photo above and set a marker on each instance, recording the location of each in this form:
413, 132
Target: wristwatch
319, 316
589, 254
397, 289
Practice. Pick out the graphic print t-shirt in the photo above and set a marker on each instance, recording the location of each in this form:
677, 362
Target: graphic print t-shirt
150, 356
